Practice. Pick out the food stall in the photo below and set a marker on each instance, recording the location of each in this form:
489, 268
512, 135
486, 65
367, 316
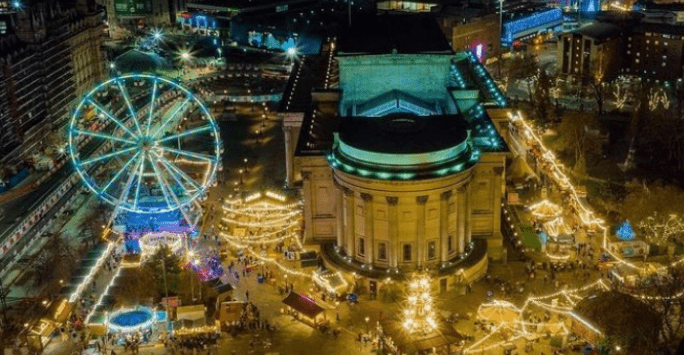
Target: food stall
305, 309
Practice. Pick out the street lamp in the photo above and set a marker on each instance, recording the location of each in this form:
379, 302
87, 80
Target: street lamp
367, 319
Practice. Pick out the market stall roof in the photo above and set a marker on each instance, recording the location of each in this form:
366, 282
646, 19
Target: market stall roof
191, 313
444, 335
546, 209
330, 279
303, 304
557, 227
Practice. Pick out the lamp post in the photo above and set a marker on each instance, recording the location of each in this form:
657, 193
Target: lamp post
367, 319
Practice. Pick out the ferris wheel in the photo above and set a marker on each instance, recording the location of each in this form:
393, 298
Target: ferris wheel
157, 147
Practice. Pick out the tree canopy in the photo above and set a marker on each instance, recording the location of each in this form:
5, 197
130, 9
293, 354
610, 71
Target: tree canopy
624, 320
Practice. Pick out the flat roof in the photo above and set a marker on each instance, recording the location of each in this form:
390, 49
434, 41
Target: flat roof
600, 31
403, 133
385, 34
241, 5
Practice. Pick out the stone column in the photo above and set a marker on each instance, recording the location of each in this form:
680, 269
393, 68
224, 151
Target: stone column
420, 229
289, 155
444, 225
498, 197
368, 232
469, 213
308, 216
339, 213
461, 218
393, 232
350, 226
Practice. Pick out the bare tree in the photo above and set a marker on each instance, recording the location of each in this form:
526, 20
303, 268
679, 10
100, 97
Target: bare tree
52, 266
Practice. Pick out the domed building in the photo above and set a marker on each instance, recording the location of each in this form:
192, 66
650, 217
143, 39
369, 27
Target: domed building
396, 143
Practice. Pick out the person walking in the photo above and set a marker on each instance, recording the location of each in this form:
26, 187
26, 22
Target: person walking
247, 295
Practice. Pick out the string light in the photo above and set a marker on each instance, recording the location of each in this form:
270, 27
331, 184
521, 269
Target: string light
585, 214
418, 314
272, 219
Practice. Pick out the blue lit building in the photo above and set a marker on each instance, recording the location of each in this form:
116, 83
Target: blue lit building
520, 25
396, 145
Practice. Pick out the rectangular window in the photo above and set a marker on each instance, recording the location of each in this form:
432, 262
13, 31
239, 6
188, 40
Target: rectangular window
450, 243
362, 246
407, 253
432, 250
382, 251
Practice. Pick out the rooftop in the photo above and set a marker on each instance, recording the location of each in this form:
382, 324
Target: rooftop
600, 31
380, 35
403, 134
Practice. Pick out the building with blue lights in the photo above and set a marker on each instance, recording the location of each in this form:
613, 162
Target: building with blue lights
519, 25
401, 164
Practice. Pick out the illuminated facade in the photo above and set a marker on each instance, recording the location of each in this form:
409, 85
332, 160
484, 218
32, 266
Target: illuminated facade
400, 165
50, 54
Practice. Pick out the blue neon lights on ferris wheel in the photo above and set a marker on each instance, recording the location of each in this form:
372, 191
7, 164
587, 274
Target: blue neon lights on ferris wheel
151, 156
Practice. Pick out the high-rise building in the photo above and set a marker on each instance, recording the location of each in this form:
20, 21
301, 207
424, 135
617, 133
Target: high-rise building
623, 45
51, 53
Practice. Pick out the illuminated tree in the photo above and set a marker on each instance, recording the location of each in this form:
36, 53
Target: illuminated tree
662, 229
419, 314
657, 199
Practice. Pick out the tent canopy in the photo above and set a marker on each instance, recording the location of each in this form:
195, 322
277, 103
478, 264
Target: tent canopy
191, 313
329, 279
303, 305
444, 335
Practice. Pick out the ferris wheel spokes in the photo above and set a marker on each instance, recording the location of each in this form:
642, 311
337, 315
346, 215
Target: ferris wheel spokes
173, 195
171, 117
123, 168
104, 136
162, 184
154, 97
127, 188
110, 116
172, 167
187, 133
108, 155
134, 115
181, 143
187, 154
137, 189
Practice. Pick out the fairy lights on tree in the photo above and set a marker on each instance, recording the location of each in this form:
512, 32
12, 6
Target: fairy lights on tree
661, 229
625, 231
419, 315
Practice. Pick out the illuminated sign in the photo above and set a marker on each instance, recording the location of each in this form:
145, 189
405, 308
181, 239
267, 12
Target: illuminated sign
132, 7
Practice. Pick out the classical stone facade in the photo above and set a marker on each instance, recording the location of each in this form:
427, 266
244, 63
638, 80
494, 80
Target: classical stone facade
401, 168
87, 58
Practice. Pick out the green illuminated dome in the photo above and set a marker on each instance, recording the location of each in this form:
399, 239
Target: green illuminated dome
402, 146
